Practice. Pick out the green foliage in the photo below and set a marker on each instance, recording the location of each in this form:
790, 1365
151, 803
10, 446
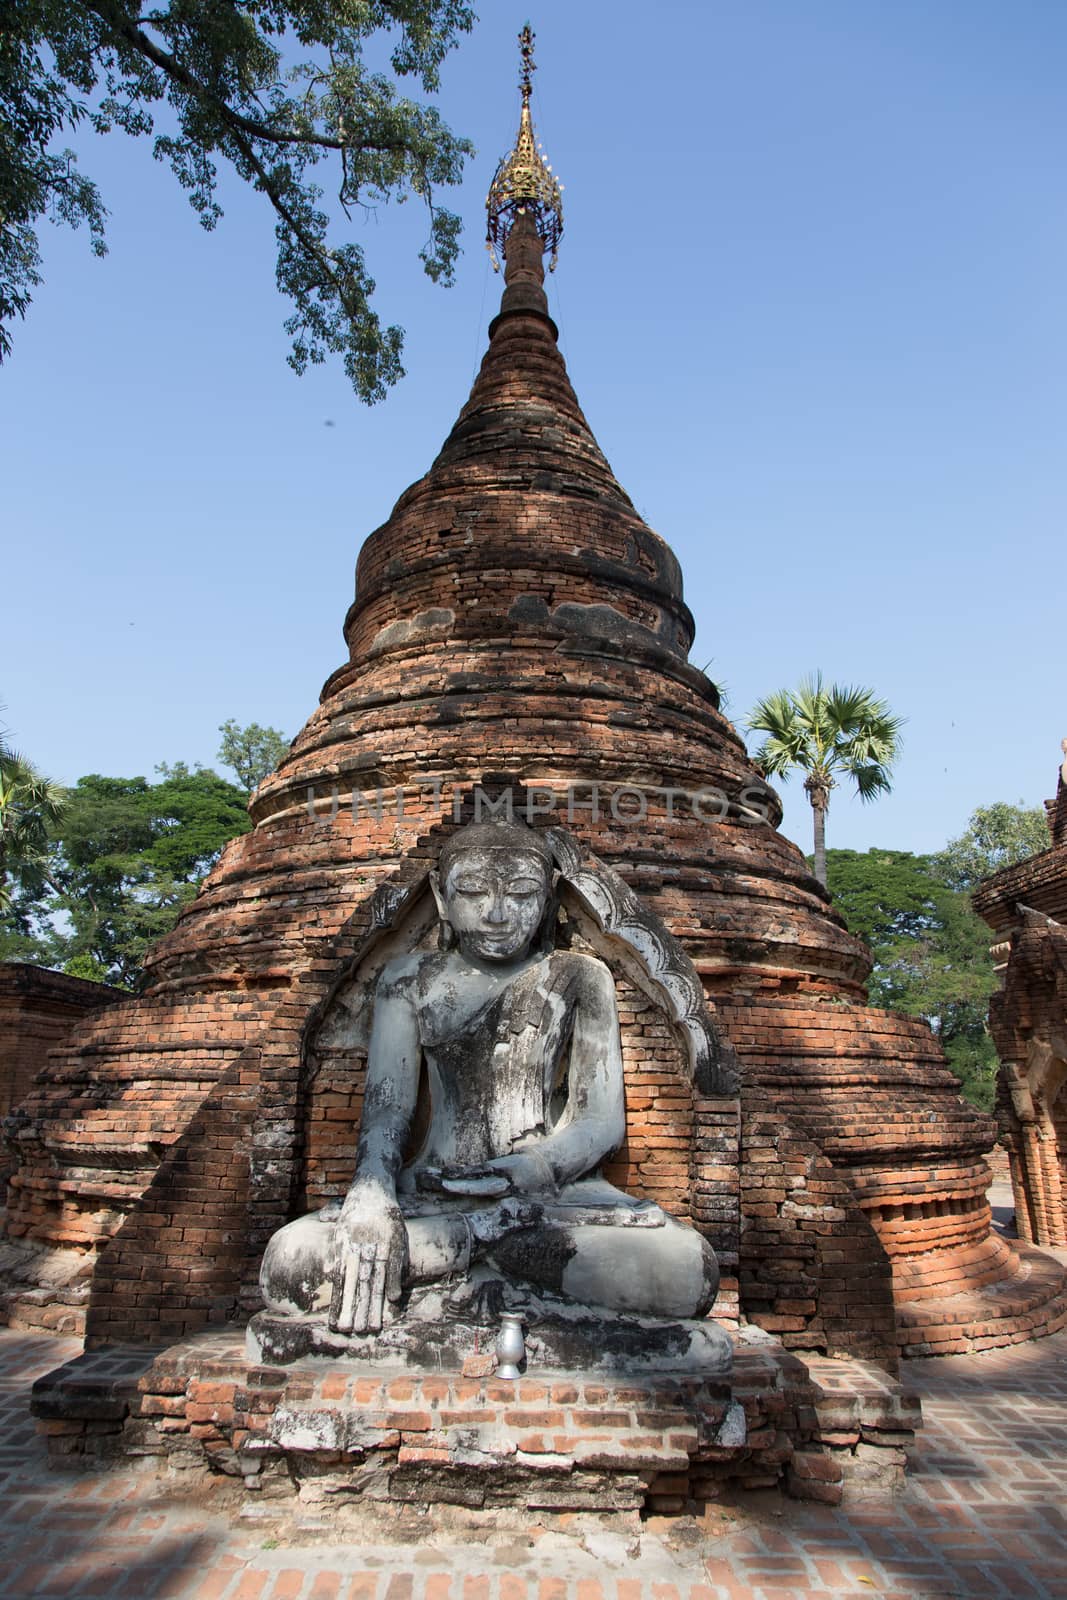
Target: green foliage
252, 752
997, 836
827, 733
86, 966
29, 806
274, 90
126, 856
19, 939
931, 953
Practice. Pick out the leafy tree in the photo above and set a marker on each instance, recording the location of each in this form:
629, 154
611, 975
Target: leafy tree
22, 927
251, 752
127, 855
273, 89
30, 805
997, 836
827, 733
931, 953
86, 966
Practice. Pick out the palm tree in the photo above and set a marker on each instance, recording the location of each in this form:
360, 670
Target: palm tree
827, 732
30, 805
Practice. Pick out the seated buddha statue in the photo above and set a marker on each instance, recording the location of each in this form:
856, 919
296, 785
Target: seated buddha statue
521, 1049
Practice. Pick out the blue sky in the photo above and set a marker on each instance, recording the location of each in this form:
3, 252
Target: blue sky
811, 294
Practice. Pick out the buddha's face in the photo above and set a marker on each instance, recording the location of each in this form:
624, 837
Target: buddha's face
494, 900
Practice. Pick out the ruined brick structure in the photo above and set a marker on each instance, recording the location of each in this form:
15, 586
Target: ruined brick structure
1026, 906
822, 1429
38, 1008
517, 623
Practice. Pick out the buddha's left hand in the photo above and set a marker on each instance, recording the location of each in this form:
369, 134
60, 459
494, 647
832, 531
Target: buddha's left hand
526, 1172
522, 1172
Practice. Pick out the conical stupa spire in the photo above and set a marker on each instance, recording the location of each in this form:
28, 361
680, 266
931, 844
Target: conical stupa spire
523, 184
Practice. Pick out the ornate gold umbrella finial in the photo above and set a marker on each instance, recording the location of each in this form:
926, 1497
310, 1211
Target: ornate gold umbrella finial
523, 181
529, 65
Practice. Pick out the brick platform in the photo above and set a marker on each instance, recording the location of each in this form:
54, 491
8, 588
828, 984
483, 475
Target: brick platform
821, 1428
1030, 1304
982, 1514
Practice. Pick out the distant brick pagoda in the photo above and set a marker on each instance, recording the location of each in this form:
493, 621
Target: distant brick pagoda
517, 624
1026, 906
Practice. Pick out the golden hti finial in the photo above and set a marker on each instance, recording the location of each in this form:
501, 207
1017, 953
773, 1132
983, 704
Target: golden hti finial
523, 181
529, 65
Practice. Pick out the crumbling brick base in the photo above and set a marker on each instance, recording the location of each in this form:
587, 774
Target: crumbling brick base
823, 1429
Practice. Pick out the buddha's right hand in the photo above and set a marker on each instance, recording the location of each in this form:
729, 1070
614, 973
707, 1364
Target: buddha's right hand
367, 1259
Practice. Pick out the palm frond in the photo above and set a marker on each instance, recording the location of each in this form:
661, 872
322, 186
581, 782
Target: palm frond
773, 758
788, 741
870, 780
774, 715
30, 807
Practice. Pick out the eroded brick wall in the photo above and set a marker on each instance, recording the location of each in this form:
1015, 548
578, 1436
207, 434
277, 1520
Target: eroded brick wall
38, 1008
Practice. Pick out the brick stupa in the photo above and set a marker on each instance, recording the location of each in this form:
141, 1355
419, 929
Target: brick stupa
515, 623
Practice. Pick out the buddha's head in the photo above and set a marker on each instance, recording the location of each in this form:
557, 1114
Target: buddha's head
492, 887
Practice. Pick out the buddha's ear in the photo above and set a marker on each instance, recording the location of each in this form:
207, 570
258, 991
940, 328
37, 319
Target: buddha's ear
439, 899
446, 934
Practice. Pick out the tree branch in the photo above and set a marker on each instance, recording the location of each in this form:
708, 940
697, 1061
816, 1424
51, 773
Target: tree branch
307, 239
168, 63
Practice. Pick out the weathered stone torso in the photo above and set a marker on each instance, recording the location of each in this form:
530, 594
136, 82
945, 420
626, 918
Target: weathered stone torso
492, 1074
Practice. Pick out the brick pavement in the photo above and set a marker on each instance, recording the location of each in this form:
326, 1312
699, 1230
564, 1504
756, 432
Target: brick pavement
984, 1514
